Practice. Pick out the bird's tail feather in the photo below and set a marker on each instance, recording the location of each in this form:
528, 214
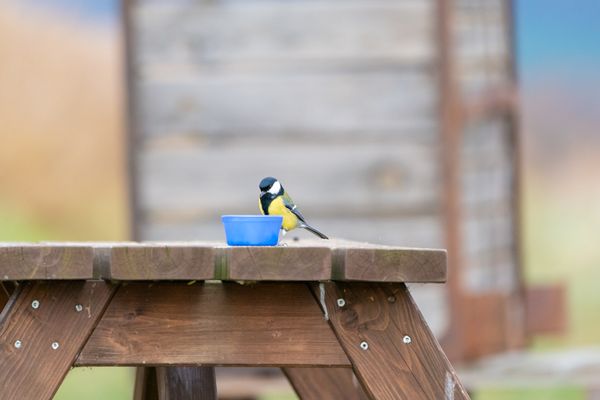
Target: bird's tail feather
313, 230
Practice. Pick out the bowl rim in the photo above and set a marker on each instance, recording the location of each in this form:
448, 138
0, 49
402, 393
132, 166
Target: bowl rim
251, 216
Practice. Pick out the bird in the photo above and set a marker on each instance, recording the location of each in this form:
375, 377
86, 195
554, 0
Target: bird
274, 200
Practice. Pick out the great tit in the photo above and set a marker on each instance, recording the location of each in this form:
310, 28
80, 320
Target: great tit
275, 201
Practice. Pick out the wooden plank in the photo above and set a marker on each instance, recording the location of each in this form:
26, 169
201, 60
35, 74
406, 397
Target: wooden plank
393, 265
392, 173
146, 386
392, 350
186, 383
156, 261
213, 324
325, 383
267, 33
297, 260
43, 332
283, 105
306, 263
25, 261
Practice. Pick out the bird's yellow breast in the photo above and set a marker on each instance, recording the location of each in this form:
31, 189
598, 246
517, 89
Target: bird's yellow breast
277, 207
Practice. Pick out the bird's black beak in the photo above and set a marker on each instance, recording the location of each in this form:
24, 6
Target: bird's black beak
262, 194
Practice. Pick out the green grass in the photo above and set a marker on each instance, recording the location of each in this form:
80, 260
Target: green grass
560, 393
97, 384
18, 226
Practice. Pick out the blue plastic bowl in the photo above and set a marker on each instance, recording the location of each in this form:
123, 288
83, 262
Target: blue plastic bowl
252, 230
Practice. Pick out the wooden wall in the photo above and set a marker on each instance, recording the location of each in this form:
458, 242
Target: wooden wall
338, 99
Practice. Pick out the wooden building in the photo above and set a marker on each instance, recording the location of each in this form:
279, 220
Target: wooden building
389, 121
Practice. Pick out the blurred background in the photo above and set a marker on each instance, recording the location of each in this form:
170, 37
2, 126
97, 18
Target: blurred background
219, 94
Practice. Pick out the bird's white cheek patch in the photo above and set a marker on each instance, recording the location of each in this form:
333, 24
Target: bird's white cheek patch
275, 188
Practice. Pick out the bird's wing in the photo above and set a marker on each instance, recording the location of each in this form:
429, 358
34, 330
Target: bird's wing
289, 204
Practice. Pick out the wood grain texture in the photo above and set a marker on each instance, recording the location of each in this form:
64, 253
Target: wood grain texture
394, 265
325, 383
24, 261
156, 261
302, 260
279, 263
186, 383
213, 324
34, 370
381, 315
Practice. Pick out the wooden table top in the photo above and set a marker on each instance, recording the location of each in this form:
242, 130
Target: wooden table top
298, 261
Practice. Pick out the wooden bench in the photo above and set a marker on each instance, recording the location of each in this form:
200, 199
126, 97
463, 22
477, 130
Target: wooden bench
336, 316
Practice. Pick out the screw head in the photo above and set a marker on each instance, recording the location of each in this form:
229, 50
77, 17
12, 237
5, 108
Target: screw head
341, 302
406, 339
391, 299
18, 344
78, 307
55, 345
364, 345
35, 304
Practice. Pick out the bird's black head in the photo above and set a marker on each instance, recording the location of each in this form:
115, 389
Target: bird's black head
270, 185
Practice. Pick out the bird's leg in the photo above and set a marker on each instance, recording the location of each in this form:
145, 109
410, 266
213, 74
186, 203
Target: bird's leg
283, 232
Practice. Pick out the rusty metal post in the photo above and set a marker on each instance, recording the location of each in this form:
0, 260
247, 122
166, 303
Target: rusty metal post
450, 128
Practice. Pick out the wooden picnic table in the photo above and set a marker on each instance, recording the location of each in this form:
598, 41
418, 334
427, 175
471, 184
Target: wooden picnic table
336, 316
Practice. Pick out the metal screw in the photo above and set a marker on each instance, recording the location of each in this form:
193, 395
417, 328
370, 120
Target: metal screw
18, 344
406, 339
78, 307
364, 345
35, 304
392, 299
55, 345
341, 302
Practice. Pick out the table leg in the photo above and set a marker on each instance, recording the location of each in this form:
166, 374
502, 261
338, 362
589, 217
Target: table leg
392, 350
325, 383
42, 329
146, 387
186, 383
6, 289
